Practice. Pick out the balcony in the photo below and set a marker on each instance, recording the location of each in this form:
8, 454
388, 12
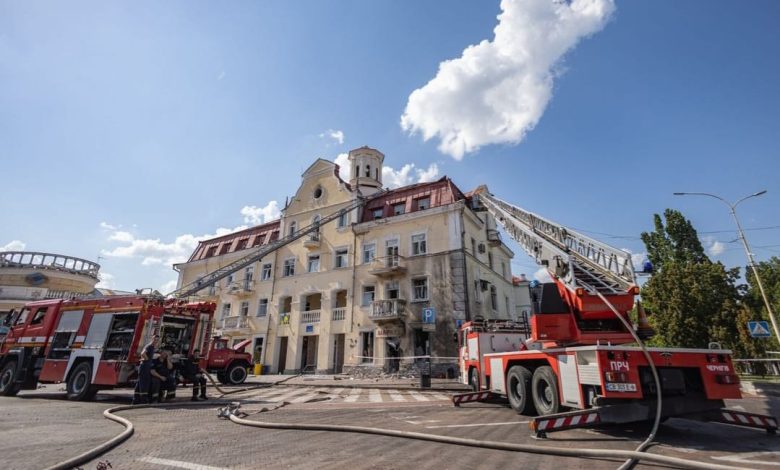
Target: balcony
310, 316
387, 310
236, 324
241, 288
312, 241
339, 313
388, 266
493, 237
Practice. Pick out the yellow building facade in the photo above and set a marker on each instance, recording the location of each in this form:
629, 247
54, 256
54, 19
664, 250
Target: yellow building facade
372, 291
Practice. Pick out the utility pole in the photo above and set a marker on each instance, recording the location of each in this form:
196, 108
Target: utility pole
751, 261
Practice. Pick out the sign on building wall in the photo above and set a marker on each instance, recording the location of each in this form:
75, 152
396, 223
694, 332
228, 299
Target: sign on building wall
389, 331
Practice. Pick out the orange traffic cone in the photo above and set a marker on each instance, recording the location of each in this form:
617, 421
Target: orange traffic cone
644, 330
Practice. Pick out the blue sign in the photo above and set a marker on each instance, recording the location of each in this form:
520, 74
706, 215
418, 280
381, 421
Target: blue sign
429, 315
309, 328
759, 329
458, 324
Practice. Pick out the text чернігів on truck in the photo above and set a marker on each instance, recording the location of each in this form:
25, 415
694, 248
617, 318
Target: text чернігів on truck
571, 357
94, 344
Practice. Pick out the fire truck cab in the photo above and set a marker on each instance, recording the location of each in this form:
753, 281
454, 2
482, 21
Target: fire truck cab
94, 344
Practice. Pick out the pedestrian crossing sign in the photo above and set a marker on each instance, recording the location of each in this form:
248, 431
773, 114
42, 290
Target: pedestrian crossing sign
759, 329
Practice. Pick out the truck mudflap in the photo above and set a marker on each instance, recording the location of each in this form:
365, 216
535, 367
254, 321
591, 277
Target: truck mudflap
616, 414
459, 398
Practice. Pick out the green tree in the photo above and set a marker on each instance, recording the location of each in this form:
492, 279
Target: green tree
754, 304
692, 300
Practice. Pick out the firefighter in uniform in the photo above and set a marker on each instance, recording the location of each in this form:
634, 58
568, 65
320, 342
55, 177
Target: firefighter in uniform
163, 378
190, 370
142, 386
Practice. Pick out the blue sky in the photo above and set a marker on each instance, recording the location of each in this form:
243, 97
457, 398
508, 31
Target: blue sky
128, 130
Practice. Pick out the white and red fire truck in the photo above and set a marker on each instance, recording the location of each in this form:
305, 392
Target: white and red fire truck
572, 361
93, 344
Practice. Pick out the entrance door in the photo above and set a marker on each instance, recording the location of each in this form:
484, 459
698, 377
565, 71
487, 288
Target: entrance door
338, 354
392, 354
309, 354
281, 363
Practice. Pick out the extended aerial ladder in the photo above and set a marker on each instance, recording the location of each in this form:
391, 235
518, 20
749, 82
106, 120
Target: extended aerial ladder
259, 253
587, 272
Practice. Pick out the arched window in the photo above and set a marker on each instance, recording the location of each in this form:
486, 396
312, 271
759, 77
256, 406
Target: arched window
368, 171
357, 172
291, 230
376, 174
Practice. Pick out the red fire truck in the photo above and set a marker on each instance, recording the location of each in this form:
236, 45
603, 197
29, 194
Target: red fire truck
574, 352
94, 344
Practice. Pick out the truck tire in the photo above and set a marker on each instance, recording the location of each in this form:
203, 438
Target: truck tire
79, 386
544, 389
473, 379
236, 373
518, 390
222, 377
7, 386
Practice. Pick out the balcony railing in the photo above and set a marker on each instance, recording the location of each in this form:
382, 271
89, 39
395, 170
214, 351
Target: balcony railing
312, 241
339, 313
235, 323
386, 310
241, 287
38, 260
310, 316
388, 266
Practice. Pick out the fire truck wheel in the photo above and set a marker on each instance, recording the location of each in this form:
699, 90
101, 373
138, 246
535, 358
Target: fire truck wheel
473, 379
518, 381
544, 388
79, 386
236, 374
7, 386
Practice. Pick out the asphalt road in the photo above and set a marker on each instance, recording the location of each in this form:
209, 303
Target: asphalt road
40, 429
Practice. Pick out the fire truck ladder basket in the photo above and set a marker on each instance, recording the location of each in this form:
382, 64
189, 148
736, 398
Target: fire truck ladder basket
578, 260
260, 253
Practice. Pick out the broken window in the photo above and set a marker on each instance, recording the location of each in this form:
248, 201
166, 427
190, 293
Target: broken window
419, 245
289, 267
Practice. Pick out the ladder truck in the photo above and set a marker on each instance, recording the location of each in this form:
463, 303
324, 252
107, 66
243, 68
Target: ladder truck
572, 362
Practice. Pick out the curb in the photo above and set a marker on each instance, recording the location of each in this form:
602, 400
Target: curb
761, 389
454, 389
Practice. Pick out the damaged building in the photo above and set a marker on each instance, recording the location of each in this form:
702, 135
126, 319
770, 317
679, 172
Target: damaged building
371, 292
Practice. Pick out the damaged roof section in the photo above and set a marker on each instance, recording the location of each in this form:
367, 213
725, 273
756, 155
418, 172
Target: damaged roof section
412, 198
248, 238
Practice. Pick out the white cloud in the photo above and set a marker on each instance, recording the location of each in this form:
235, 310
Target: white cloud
14, 245
342, 160
120, 236
713, 246
260, 215
542, 275
107, 281
498, 90
335, 135
154, 251
392, 178
636, 258
107, 226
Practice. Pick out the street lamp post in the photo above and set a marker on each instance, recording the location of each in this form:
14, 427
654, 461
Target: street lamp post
751, 261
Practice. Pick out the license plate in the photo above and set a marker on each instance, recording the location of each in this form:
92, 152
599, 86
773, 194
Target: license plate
620, 387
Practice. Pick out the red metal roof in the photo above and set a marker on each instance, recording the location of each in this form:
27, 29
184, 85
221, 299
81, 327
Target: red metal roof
438, 193
248, 238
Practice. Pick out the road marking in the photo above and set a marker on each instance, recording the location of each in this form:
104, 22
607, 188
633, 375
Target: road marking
475, 424
374, 395
417, 396
304, 398
294, 393
353, 395
746, 458
441, 396
179, 464
425, 421
396, 396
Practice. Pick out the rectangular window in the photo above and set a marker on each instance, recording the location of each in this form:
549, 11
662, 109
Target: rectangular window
423, 203
419, 246
340, 258
377, 213
367, 351
244, 309
262, 307
490, 260
343, 220
266, 275
503, 269
493, 298
369, 252
368, 295
473, 246
392, 290
289, 267
229, 280
225, 310
420, 289
314, 263
399, 208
